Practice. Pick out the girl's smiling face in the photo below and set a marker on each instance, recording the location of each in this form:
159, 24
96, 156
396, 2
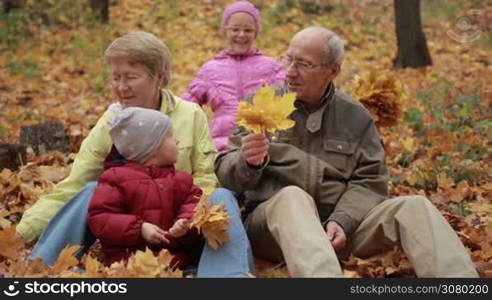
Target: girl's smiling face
240, 33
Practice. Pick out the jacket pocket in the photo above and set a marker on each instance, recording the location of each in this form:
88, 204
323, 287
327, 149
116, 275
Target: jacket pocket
339, 153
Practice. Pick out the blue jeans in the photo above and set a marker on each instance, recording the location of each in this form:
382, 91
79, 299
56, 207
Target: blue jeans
234, 258
69, 227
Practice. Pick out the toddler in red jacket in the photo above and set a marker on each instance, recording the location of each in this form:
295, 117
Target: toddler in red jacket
142, 201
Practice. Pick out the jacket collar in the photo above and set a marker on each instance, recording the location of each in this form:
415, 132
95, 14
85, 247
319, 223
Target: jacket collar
168, 103
153, 171
228, 54
315, 114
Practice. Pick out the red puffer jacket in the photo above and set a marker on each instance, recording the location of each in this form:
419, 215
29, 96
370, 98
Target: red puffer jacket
129, 194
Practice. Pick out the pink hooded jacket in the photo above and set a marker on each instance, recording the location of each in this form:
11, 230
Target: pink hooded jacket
224, 81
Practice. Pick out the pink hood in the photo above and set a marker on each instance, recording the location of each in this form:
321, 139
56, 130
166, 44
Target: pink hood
224, 81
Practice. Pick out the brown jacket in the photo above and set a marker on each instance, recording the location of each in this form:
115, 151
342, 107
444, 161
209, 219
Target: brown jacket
334, 153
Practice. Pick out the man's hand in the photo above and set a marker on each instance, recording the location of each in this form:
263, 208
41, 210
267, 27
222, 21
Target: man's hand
180, 228
336, 235
255, 149
153, 235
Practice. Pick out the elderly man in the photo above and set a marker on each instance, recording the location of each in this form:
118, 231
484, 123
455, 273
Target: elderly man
319, 189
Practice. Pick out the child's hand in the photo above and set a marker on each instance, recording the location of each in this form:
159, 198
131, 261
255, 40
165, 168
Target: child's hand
153, 235
180, 228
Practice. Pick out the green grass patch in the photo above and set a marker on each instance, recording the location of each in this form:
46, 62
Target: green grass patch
25, 67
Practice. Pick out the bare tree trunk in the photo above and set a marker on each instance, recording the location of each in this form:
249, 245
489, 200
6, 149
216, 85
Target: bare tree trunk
12, 156
101, 7
8, 5
412, 46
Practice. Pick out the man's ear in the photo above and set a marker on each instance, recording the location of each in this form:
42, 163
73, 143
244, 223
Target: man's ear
335, 70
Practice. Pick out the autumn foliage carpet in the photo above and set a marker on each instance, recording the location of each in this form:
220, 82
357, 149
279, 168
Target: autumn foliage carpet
435, 121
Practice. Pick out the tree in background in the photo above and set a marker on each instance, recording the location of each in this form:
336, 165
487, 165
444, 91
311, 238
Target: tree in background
412, 46
8, 5
101, 8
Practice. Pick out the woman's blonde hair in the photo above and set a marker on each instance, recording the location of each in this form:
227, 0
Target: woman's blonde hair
143, 48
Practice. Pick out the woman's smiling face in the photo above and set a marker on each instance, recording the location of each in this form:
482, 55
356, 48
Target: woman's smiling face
132, 84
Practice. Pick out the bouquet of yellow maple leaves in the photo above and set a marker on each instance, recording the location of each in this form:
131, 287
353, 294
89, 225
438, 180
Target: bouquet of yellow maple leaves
211, 220
382, 95
267, 112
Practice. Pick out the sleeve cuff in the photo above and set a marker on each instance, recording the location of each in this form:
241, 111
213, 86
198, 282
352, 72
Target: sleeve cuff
25, 232
256, 169
348, 223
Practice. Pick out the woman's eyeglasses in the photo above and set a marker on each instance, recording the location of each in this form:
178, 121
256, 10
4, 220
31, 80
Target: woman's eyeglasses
127, 80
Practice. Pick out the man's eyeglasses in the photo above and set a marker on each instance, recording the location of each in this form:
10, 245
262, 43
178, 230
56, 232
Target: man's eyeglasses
300, 65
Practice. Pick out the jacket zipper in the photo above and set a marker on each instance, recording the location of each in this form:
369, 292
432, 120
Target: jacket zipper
239, 82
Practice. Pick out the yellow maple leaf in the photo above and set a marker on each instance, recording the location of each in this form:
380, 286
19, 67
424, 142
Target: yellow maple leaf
408, 144
267, 112
5, 176
35, 268
93, 268
274, 272
212, 221
117, 269
10, 244
4, 223
143, 264
487, 186
413, 178
215, 236
444, 182
461, 191
66, 260
164, 259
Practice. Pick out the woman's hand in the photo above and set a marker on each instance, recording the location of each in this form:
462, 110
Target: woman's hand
153, 235
255, 149
180, 228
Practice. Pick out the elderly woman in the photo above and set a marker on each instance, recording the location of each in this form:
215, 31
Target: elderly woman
140, 69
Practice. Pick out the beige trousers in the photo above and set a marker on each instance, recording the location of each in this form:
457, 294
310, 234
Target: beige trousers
287, 227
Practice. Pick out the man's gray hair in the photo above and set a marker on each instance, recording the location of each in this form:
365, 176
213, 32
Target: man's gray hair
336, 51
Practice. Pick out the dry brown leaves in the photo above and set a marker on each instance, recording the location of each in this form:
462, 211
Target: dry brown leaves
382, 95
14, 263
18, 190
71, 91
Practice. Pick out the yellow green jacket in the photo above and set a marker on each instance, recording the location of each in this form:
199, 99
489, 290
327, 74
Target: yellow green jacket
196, 156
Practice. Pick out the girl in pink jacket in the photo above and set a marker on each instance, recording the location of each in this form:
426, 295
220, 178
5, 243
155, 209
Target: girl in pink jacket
234, 72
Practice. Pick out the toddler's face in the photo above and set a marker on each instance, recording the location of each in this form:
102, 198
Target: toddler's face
167, 153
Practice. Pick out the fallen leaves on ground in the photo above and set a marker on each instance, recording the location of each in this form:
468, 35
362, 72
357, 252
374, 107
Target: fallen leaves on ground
434, 121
